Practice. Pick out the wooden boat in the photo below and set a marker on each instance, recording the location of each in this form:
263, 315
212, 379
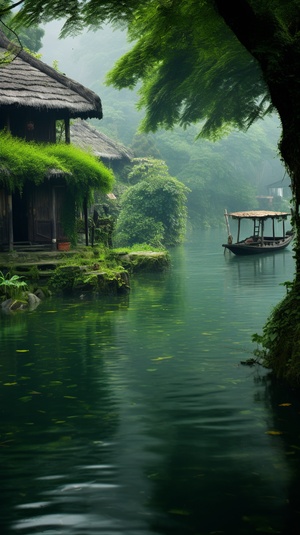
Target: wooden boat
258, 243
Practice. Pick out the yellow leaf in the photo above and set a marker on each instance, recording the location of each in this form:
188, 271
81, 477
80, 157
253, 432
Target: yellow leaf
22, 350
162, 358
274, 433
284, 405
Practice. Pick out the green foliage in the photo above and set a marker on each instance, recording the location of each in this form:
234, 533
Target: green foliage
136, 247
21, 161
179, 48
85, 171
11, 286
30, 38
279, 346
133, 227
154, 209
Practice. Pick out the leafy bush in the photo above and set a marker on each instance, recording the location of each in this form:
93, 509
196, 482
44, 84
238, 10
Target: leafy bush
11, 286
154, 209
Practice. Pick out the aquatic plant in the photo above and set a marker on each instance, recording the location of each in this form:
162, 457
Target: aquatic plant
11, 286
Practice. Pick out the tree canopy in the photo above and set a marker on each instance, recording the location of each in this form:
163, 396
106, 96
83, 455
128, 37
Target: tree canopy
31, 38
188, 64
212, 61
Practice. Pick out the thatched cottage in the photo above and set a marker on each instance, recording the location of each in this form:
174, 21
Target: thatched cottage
33, 98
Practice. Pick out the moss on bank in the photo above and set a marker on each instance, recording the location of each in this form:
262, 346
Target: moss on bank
279, 345
89, 269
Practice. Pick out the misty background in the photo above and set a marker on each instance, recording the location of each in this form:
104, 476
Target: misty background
240, 171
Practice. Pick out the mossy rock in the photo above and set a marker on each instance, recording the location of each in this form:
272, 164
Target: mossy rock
68, 279
145, 261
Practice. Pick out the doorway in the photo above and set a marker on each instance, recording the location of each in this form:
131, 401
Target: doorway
20, 217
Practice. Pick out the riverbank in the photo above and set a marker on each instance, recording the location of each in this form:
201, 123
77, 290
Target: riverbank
83, 269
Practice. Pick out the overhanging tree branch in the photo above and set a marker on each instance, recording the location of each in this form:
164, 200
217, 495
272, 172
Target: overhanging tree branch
9, 8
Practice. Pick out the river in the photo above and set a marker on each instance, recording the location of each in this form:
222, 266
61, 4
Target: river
134, 415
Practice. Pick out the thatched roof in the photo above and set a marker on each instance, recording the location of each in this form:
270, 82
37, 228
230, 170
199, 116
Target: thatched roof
259, 214
88, 138
28, 82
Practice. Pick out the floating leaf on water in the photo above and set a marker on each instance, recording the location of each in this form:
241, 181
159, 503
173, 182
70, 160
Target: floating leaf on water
22, 350
161, 358
274, 433
10, 384
284, 405
179, 512
70, 397
25, 399
151, 369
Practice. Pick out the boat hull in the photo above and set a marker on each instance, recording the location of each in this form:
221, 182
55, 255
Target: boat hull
244, 249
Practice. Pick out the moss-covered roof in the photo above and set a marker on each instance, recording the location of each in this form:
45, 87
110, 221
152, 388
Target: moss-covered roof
21, 162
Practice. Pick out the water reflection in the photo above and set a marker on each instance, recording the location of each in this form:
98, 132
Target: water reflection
258, 269
135, 416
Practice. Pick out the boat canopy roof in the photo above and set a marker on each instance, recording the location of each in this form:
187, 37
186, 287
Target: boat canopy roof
259, 214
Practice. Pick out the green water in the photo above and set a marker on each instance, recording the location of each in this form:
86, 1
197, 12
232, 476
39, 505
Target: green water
135, 416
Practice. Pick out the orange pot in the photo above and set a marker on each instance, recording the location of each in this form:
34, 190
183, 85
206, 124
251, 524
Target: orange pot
63, 246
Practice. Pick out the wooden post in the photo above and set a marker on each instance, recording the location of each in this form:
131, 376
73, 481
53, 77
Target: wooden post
54, 226
10, 223
227, 223
67, 131
239, 228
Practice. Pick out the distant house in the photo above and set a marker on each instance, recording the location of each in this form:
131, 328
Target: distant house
281, 188
88, 138
33, 98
